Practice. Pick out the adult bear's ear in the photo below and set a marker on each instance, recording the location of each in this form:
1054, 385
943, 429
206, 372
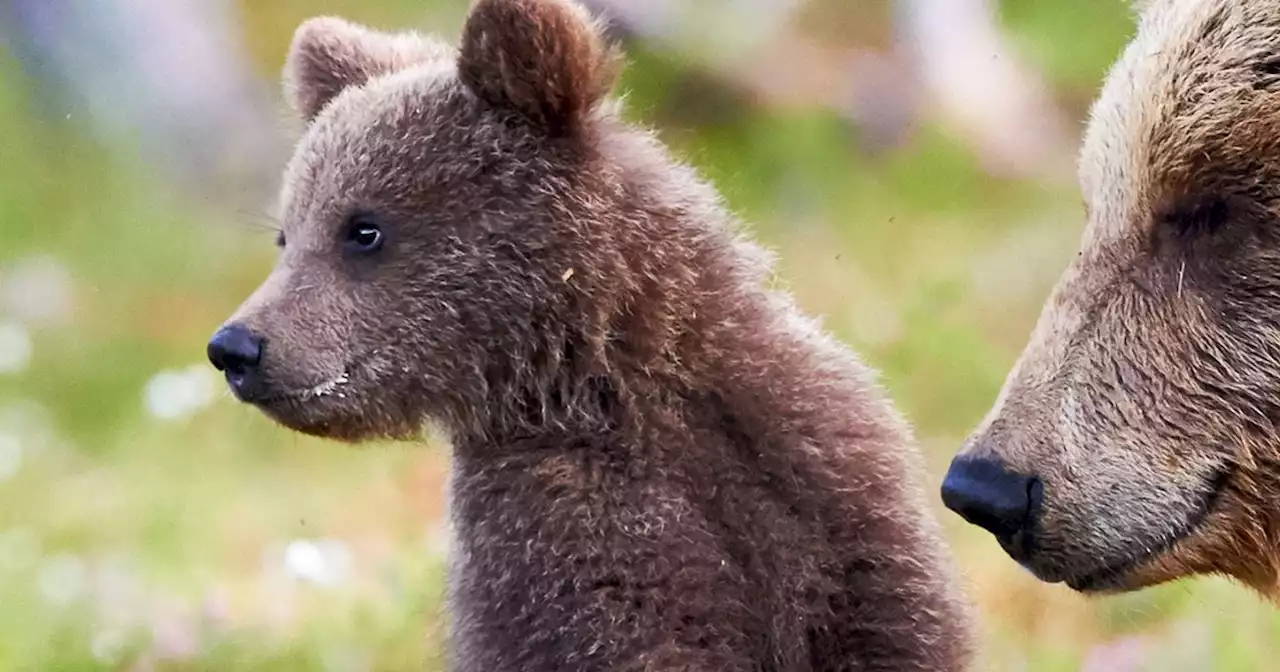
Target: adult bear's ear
328, 55
545, 59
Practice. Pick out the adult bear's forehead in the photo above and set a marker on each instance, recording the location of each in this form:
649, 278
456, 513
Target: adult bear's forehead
1179, 111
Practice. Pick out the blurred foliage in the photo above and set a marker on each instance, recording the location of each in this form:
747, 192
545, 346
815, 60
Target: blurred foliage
1074, 42
128, 542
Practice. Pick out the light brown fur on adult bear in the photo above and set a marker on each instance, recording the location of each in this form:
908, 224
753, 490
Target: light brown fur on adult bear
1136, 439
659, 464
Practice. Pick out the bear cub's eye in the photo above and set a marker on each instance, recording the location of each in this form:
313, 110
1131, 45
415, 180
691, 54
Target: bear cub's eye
363, 235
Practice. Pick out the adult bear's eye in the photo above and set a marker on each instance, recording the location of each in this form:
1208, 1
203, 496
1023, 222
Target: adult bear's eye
1200, 218
363, 235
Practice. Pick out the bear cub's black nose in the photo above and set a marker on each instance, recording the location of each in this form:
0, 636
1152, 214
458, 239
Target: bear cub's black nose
236, 351
985, 493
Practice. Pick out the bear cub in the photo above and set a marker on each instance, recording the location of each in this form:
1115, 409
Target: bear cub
658, 463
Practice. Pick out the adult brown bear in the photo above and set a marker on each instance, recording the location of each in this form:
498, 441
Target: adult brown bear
1135, 441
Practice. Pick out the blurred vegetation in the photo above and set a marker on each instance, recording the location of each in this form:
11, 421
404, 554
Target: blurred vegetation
132, 542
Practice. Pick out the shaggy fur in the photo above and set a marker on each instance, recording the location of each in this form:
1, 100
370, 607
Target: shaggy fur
1147, 399
659, 464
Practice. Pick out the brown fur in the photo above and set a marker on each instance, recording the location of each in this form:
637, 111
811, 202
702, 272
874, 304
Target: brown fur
659, 464
330, 55
549, 62
1147, 398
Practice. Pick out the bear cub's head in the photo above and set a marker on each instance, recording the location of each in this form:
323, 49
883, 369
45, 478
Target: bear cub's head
456, 226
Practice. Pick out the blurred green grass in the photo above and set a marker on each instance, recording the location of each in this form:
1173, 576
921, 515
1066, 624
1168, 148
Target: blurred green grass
128, 541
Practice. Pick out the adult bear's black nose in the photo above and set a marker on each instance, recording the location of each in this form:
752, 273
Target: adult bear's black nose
985, 493
236, 351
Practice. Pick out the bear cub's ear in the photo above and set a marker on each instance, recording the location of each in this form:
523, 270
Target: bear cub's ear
545, 59
329, 55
